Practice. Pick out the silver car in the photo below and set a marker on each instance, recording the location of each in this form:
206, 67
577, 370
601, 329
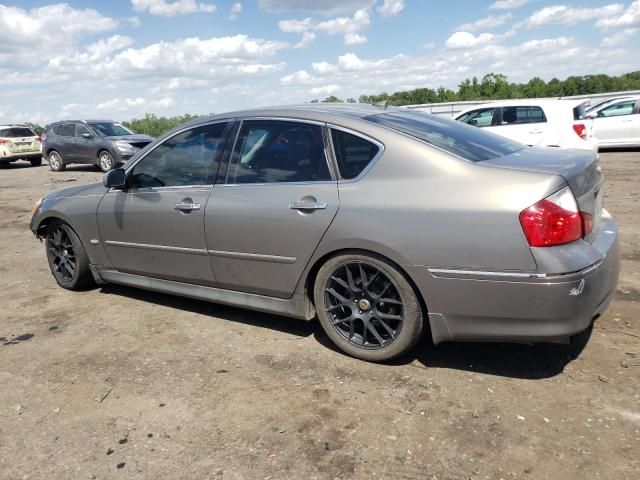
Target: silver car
383, 223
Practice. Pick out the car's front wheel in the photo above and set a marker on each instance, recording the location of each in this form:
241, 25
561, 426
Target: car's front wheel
367, 307
55, 162
105, 161
67, 257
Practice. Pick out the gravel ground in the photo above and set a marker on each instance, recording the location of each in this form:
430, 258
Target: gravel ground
121, 383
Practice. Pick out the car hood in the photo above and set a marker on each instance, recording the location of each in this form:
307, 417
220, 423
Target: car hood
97, 188
137, 138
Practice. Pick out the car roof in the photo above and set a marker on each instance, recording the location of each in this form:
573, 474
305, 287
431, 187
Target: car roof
83, 121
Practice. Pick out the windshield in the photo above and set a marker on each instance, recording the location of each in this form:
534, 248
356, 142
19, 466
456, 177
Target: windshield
108, 129
454, 137
16, 132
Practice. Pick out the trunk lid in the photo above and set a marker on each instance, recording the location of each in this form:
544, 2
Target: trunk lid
580, 168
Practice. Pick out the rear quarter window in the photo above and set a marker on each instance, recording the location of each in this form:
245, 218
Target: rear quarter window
64, 130
353, 153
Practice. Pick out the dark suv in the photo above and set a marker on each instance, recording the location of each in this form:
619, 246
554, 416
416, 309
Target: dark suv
99, 142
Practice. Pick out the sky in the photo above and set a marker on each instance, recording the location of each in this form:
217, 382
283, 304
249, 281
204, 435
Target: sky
123, 58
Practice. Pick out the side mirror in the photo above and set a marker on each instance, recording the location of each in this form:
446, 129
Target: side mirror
86, 135
115, 178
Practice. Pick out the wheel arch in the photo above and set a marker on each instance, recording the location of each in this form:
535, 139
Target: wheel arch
45, 222
312, 272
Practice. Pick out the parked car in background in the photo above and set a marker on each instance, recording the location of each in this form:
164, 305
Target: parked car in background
19, 142
103, 143
542, 123
616, 123
377, 220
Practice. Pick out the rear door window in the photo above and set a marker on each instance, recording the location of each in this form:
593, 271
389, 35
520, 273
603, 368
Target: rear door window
274, 151
353, 153
64, 130
478, 118
16, 132
522, 114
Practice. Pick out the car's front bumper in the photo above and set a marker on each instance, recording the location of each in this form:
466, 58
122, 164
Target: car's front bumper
521, 307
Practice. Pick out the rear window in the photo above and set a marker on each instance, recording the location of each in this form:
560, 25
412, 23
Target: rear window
454, 137
15, 132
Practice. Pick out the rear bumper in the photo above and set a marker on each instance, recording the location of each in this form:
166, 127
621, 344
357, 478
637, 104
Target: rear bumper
479, 306
12, 157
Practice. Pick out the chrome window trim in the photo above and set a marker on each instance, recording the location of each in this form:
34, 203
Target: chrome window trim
370, 165
140, 191
162, 248
280, 119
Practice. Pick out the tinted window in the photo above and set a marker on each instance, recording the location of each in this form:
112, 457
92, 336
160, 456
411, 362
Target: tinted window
64, 130
353, 153
617, 109
522, 114
188, 158
471, 143
80, 129
478, 118
15, 132
269, 151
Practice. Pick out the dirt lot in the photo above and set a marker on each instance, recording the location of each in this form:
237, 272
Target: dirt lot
121, 383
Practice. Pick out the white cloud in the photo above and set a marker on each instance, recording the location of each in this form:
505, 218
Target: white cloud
629, 18
134, 21
619, 38
26, 36
354, 39
301, 77
326, 90
564, 15
507, 4
390, 7
491, 21
296, 26
235, 10
137, 103
429, 45
168, 8
307, 39
323, 7
347, 26
467, 40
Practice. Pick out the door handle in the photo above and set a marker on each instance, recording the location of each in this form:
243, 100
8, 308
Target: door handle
535, 131
307, 205
187, 207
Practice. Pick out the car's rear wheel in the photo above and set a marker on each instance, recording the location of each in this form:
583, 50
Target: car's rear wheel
55, 162
67, 257
367, 307
35, 162
105, 161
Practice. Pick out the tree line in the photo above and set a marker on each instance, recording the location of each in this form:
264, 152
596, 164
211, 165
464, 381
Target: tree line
493, 86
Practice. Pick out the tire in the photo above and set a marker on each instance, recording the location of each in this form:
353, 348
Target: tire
35, 162
106, 161
67, 257
55, 162
350, 309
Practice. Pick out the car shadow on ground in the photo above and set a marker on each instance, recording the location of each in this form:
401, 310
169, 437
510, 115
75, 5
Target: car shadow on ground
521, 361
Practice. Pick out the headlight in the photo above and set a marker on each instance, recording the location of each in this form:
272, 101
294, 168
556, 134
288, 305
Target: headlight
36, 206
124, 146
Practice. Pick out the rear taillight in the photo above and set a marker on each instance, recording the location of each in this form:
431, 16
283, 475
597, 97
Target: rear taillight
39, 139
3, 141
581, 130
554, 220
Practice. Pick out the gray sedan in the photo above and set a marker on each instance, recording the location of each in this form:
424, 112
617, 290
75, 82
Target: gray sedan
383, 223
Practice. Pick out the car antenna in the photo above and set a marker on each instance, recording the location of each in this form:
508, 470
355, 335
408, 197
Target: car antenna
383, 103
